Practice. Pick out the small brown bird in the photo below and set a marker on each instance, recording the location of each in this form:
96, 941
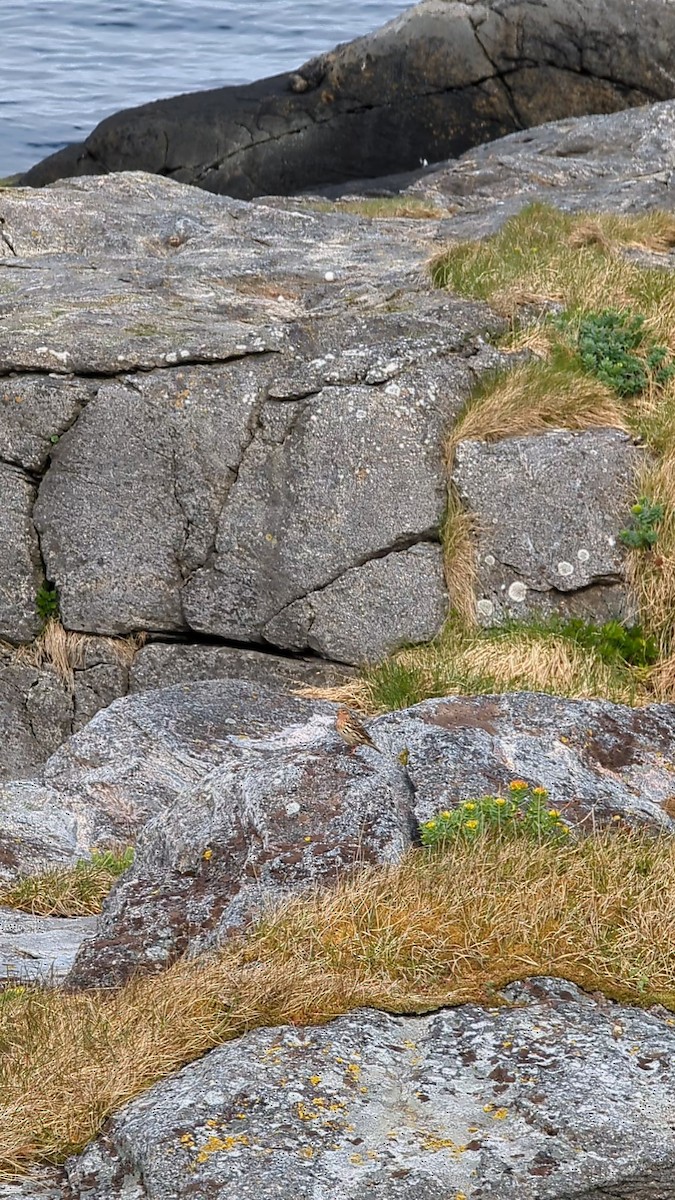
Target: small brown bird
352, 732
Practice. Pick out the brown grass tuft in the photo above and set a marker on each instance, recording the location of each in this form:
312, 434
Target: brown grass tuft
535, 397
436, 930
65, 651
77, 891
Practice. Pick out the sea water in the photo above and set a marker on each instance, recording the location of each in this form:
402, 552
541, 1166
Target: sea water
66, 64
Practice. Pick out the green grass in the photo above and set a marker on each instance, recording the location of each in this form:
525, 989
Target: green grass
69, 892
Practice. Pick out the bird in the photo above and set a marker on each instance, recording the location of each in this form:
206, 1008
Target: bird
351, 730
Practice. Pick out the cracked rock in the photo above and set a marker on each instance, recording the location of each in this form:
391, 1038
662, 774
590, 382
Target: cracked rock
371, 610
21, 573
549, 510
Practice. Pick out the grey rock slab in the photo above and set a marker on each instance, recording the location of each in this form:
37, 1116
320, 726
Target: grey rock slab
534, 1100
280, 814
36, 713
38, 829
440, 77
598, 760
39, 949
21, 573
45, 1185
34, 411
160, 664
329, 483
132, 759
370, 611
549, 510
132, 496
617, 162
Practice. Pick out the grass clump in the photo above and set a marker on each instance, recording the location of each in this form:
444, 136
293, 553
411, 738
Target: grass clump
565, 658
413, 208
449, 925
77, 891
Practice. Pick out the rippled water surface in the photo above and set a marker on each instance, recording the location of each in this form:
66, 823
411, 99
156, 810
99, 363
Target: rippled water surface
66, 64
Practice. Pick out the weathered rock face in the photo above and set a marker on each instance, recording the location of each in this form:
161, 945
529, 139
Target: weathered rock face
440, 78
39, 949
549, 511
258, 450
283, 811
598, 760
623, 162
133, 759
183, 427
536, 1100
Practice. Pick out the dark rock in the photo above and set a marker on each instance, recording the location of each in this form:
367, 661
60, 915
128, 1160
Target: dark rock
438, 79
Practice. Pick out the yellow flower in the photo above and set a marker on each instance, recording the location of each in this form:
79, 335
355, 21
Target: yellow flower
446, 814
540, 791
207, 855
500, 801
553, 812
471, 824
430, 825
519, 785
469, 805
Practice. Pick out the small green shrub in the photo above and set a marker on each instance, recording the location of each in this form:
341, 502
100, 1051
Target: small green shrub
644, 530
607, 343
47, 602
524, 813
613, 642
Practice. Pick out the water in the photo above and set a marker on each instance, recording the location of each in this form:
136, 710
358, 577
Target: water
66, 64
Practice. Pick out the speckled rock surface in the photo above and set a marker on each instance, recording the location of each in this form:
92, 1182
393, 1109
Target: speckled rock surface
619, 162
281, 811
161, 664
549, 510
553, 1096
132, 760
365, 615
597, 759
40, 949
217, 410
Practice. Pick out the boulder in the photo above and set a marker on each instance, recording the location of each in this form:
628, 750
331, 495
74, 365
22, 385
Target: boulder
133, 759
220, 430
280, 814
39, 949
441, 77
549, 510
622, 162
280, 811
551, 1095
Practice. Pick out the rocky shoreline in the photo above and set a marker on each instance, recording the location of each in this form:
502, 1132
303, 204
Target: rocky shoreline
239, 475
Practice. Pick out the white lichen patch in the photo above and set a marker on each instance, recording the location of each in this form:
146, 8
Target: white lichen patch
583, 555
517, 591
565, 568
485, 608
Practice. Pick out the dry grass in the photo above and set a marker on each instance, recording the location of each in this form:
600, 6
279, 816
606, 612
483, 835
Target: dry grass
534, 397
386, 207
66, 651
469, 661
77, 891
544, 256
436, 930
459, 557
